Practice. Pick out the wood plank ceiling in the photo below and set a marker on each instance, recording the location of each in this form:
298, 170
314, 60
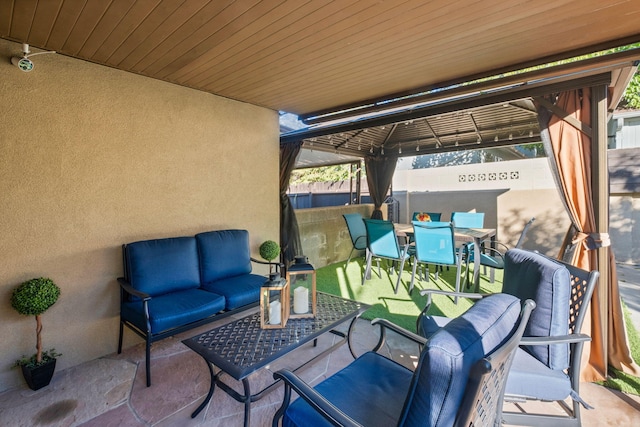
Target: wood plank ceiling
307, 56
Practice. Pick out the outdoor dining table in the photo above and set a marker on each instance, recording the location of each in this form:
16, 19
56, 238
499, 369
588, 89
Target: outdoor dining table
465, 235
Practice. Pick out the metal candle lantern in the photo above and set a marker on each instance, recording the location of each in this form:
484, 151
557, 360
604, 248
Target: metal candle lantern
274, 304
301, 277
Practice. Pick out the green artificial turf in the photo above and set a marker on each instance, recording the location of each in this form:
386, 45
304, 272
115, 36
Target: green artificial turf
619, 380
400, 308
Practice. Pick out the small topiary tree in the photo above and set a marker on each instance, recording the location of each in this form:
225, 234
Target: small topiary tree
269, 250
32, 298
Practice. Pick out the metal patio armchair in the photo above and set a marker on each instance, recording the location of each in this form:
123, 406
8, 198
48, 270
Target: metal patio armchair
547, 363
459, 379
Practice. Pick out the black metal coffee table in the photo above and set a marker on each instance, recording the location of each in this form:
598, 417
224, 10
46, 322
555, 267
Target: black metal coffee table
241, 347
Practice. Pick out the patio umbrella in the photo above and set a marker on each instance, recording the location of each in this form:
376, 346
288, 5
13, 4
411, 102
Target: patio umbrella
289, 233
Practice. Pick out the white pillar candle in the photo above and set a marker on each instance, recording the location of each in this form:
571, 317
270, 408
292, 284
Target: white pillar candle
300, 300
274, 312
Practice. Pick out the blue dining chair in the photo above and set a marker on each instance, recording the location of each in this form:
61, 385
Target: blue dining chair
382, 242
357, 232
468, 219
492, 254
435, 244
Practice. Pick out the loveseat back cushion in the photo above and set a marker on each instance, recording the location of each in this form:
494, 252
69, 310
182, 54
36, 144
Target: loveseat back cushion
440, 379
530, 275
161, 266
223, 254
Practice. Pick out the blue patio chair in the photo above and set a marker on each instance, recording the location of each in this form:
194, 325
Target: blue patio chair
459, 379
357, 232
546, 366
468, 219
382, 242
492, 254
435, 244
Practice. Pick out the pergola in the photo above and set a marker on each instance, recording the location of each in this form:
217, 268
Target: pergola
324, 60
568, 110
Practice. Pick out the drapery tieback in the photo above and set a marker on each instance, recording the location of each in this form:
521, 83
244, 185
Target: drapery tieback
592, 240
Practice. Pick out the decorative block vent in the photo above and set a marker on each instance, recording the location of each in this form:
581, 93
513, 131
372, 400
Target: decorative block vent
491, 176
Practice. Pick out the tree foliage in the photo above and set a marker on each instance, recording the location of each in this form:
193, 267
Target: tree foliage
333, 173
631, 97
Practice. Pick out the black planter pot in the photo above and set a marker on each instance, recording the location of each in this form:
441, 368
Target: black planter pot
39, 376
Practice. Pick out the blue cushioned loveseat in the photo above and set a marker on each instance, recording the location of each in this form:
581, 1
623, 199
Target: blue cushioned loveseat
174, 284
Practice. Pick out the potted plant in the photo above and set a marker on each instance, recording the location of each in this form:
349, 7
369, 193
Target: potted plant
270, 250
32, 298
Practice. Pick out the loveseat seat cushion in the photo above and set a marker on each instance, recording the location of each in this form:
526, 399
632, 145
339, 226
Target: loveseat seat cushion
361, 391
530, 275
173, 309
238, 290
223, 254
162, 266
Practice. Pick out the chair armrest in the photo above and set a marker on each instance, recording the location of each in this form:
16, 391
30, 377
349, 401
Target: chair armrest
470, 295
313, 398
126, 286
429, 292
493, 243
385, 324
559, 339
492, 251
277, 264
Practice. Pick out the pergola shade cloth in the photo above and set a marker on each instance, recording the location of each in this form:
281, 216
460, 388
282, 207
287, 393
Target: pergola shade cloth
380, 170
289, 232
567, 141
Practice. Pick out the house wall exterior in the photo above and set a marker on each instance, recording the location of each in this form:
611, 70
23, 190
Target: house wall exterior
91, 158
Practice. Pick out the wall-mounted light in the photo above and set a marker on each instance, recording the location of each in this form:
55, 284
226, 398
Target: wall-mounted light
25, 64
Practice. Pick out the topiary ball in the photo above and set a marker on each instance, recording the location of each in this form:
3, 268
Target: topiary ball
35, 296
269, 250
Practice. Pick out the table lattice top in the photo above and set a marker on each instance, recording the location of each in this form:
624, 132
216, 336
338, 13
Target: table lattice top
241, 347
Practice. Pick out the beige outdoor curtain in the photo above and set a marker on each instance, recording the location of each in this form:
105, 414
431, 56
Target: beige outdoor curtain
570, 159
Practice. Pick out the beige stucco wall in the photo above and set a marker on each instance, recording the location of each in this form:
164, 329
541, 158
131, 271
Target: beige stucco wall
92, 157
